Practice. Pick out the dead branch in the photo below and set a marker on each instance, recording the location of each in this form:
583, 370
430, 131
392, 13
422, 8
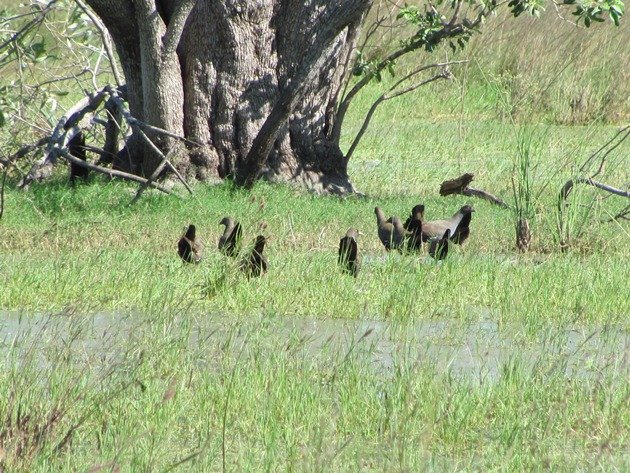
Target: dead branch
64, 131
107, 42
460, 185
594, 156
117, 99
622, 214
111, 172
568, 187
152, 178
24, 150
493, 199
165, 160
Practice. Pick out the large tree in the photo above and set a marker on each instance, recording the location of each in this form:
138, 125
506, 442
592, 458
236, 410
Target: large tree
260, 87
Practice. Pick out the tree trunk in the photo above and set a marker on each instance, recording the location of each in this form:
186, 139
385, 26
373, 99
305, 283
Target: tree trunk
255, 83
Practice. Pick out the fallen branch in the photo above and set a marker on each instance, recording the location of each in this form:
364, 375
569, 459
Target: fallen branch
152, 178
460, 185
165, 160
493, 199
24, 150
112, 172
65, 130
139, 123
568, 187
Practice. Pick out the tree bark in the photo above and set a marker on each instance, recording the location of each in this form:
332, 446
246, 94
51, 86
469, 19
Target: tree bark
254, 82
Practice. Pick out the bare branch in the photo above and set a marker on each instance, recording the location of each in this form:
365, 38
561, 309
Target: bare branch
61, 135
568, 187
176, 26
139, 123
23, 151
152, 178
110, 172
107, 41
493, 199
165, 159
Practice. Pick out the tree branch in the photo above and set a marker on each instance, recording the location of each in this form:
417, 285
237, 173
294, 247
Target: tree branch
176, 26
107, 42
110, 172
568, 187
61, 135
450, 30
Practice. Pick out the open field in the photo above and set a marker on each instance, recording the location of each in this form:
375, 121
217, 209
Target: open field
118, 357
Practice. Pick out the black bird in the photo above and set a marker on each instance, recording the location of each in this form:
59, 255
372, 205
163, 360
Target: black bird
349, 258
255, 263
417, 213
458, 224
413, 225
391, 232
438, 247
230, 241
76, 147
188, 248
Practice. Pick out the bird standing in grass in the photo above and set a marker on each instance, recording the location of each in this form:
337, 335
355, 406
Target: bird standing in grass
349, 258
413, 225
255, 263
391, 232
438, 248
230, 241
458, 224
417, 213
188, 248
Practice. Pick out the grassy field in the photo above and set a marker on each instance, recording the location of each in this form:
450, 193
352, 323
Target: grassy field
198, 368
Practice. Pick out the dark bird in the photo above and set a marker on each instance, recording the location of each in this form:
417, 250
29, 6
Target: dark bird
413, 225
230, 241
255, 263
391, 232
417, 213
458, 224
188, 248
76, 147
349, 258
438, 247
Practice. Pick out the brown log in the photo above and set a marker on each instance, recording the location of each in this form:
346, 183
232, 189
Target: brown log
457, 185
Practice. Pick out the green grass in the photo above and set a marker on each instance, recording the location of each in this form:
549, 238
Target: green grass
156, 399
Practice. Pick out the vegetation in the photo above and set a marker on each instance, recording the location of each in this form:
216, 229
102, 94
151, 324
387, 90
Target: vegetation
133, 360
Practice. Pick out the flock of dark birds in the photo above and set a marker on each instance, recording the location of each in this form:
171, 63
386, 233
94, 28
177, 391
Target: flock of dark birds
408, 237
